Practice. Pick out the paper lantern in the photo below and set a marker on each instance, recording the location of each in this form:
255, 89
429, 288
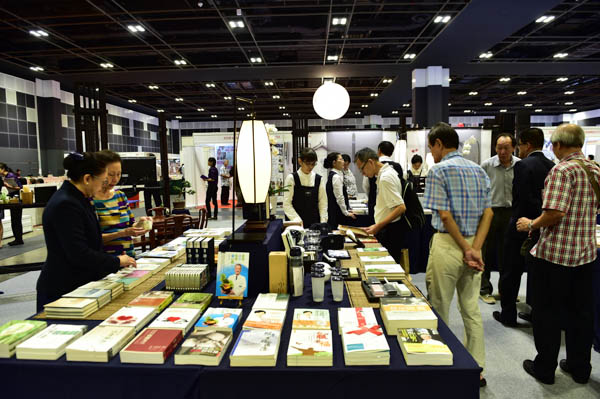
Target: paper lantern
253, 161
331, 101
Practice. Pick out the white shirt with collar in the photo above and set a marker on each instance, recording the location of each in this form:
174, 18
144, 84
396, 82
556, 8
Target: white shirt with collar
389, 193
338, 190
501, 180
307, 180
365, 182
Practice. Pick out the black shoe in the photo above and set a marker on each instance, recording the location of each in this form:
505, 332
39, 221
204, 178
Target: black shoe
13, 243
524, 316
482, 383
529, 367
498, 317
565, 367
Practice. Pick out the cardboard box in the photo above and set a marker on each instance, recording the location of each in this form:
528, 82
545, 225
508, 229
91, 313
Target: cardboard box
278, 273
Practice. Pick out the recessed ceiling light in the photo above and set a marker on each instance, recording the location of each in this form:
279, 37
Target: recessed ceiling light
505, 79
136, 28
538, 110
488, 104
487, 54
449, 79
573, 110
255, 60
374, 94
394, 112
209, 85
386, 81
569, 92
178, 117
97, 89
406, 105
529, 105
521, 93
357, 112
569, 103
449, 104
364, 105
276, 96
562, 79
249, 115
178, 99
36, 68
213, 116
409, 56
132, 101
241, 109
473, 93
227, 98
441, 19
269, 83
200, 109
560, 55
332, 58
107, 65
467, 111
502, 110
180, 62
281, 107
285, 114
160, 110
153, 87
38, 33
234, 24
339, 21
545, 19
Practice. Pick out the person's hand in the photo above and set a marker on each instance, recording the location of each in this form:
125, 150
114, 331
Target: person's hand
350, 214
134, 232
473, 259
373, 229
126, 261
523, 224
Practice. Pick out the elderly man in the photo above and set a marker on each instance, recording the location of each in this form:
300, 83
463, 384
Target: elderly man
225, 173
563, 260
458, 193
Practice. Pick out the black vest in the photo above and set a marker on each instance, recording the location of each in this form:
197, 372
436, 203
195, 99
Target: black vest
334, 213
306, 201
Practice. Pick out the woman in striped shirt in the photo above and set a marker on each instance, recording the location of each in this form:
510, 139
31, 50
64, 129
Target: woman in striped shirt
115, 216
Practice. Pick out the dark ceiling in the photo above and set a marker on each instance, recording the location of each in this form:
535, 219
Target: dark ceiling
293, 40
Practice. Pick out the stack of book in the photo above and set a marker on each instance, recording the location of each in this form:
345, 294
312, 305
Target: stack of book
116, 288
355, 318
187, 277
130, 277
153, 265
372, 251
381, 271
14, 332
71, 308
424, 347
204, 347
358, 207
50, 343
311, 319
368, 259
264, 319
131, 316
102, 296
311, 341
158, 300
272, 301
100, 344
255, 348
200, 250
214, 232
197, 300
365, 346
219, 319
182, 319
410, 312
164, 252
151, 346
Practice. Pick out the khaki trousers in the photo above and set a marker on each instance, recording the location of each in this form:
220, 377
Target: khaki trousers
446, 272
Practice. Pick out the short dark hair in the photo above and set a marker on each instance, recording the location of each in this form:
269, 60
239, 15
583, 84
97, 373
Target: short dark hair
416, 159
109, 156
79, 165
212, 161
533, 136
331, 158
386, 148
346, 158
365, 154
509, 135
445, 133
591, 157
308, 155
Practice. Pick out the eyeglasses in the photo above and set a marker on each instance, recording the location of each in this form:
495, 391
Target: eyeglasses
362, 168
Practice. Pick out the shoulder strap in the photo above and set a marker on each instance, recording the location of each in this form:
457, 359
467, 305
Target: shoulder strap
296, 179
591, 178
317, 180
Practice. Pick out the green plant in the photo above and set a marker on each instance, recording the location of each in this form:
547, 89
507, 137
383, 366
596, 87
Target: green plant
273, 190
180, 187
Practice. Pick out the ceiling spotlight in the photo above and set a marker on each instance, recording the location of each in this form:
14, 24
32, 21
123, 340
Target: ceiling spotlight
529, 105
488, 104
153, 87
160, 110
178, 99
568, 92
409, 56
521, 93
236, 24
332, 58
241, 109
209, 85
449, 104
213, 116
449, 79
560, 55
486, 55
394, 112
467, 111
573, 110
538, 110
227, 98
36, 68
180, 62
276, 97
136, 28
364, 106
562, 79
107, 65
200, 109
178, 117
406, 105
38, 33
502, 110
249, 115
281, 107
268, 83
339, 21
357, 112
285, 114
441, 19
386, 81
97, 89
374, 94
545, 19
255, 60
505, 79
132, 101
473, 93
569, 103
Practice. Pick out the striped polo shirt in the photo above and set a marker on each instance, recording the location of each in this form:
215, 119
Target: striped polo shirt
114, 215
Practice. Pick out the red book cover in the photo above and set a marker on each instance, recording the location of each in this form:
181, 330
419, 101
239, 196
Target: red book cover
156, 340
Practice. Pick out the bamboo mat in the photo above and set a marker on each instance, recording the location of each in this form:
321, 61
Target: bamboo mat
127, 296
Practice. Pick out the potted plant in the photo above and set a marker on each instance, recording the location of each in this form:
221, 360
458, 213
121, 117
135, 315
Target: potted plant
179, 188
274, 191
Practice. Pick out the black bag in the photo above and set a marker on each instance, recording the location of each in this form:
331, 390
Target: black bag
414, 217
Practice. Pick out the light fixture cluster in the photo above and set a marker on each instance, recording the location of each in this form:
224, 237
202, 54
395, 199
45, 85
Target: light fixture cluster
281, 107
200, 109
374, 94
132, 101
153, 87
255, 60
160, 111
529, 105
406, 105
180, 62
285, 114
269, 83
364, 105
36, 68
538, 110
178, 117
521, 93
213, 116
386, 81
545, 19
409, 56
394, 112
178, 99
473, 93
136, 28
488, 104
276, 97
503, 110
210, 85
339, 21
562, 79
333, 57
486, 55
569, 103
467, 111
241, 109
569, 92
357, 113
441, 19
505, 79
107, 65
560, 55
573, 110
226, 98
236, 24
38, 33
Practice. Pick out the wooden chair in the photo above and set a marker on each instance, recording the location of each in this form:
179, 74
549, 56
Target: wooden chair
162, 232
144, 242
203, 220
159, 212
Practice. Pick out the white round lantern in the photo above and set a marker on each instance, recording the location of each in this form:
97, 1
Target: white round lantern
331, 101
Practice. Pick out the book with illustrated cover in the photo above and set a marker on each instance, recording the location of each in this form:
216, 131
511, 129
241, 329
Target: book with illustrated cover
131, 316
272, 301
204, 347
103, 296
155, 299
232, 274
372, 251
151, 346
14, 332
362, 348
265, 319
406, 312
255, 348
198, 300
176, 318
311, 319
76, 308
312, 348
378, 270
50, 343
100, 344
220, 319
153, 265
130, 277
356, 318
115, 287
424, 347
374, 260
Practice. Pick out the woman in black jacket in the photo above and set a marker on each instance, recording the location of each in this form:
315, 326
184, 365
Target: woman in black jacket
72, 232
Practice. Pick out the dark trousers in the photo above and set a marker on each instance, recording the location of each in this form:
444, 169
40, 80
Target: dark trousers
493, 248
392, 238
211, 195
562, 299
224, 195
148, 195
510, 276
16, 223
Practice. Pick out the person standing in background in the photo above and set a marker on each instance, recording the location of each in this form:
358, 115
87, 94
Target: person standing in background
385, 149
212, 188
13, 184
225, 173
349, 179
337, 196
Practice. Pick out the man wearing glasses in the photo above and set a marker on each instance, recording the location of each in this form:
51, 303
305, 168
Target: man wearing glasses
306, 198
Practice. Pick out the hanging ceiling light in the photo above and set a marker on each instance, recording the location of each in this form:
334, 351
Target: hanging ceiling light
331, 101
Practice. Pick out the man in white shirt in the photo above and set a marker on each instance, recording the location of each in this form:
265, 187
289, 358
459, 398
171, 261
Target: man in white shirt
238, 281
225, 176
389, 205
306, 199
385, 149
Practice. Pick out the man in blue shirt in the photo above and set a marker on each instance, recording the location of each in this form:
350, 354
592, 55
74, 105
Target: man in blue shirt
458, 193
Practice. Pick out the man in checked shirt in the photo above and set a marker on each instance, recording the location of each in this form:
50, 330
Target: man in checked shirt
563, 258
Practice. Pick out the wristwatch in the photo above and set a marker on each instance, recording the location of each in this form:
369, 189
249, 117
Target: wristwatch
530, 225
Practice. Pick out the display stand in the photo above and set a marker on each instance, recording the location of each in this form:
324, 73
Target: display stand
231, 298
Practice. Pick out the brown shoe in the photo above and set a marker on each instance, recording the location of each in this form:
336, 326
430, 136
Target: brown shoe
487, 298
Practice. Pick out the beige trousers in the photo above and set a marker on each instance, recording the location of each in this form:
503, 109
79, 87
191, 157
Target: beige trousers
446, 272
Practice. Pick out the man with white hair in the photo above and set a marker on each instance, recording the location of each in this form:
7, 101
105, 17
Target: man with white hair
563, 259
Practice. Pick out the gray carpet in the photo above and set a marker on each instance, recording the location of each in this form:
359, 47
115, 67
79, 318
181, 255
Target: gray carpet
32, 243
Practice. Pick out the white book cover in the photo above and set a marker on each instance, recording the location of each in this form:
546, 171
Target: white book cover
52, 338
383, 269
176, 318
102, 339
130, 316
371, 251
356, 318
357, 341
372, 259
256, 343
311, 319
103, 285
152, 261
87, 293
311, 343
265, 319
272, 301
71, 303
411, 308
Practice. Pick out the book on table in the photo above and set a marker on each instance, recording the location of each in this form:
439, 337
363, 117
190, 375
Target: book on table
219, 319
169, 253
406, 312
365, 347
187, 277
115, 287
176, 318
198, 300
311, 319
255, 348
424, 347
338, 253
153, 265
151, 346
391, 271
204, 347
130, 277
356, 318
50, 343
14, 332
269, 319
310, 348
101, 295
100, 344
376, 260
71, 308
357, 231
131, 316
272, 301
372, 251
154, 299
